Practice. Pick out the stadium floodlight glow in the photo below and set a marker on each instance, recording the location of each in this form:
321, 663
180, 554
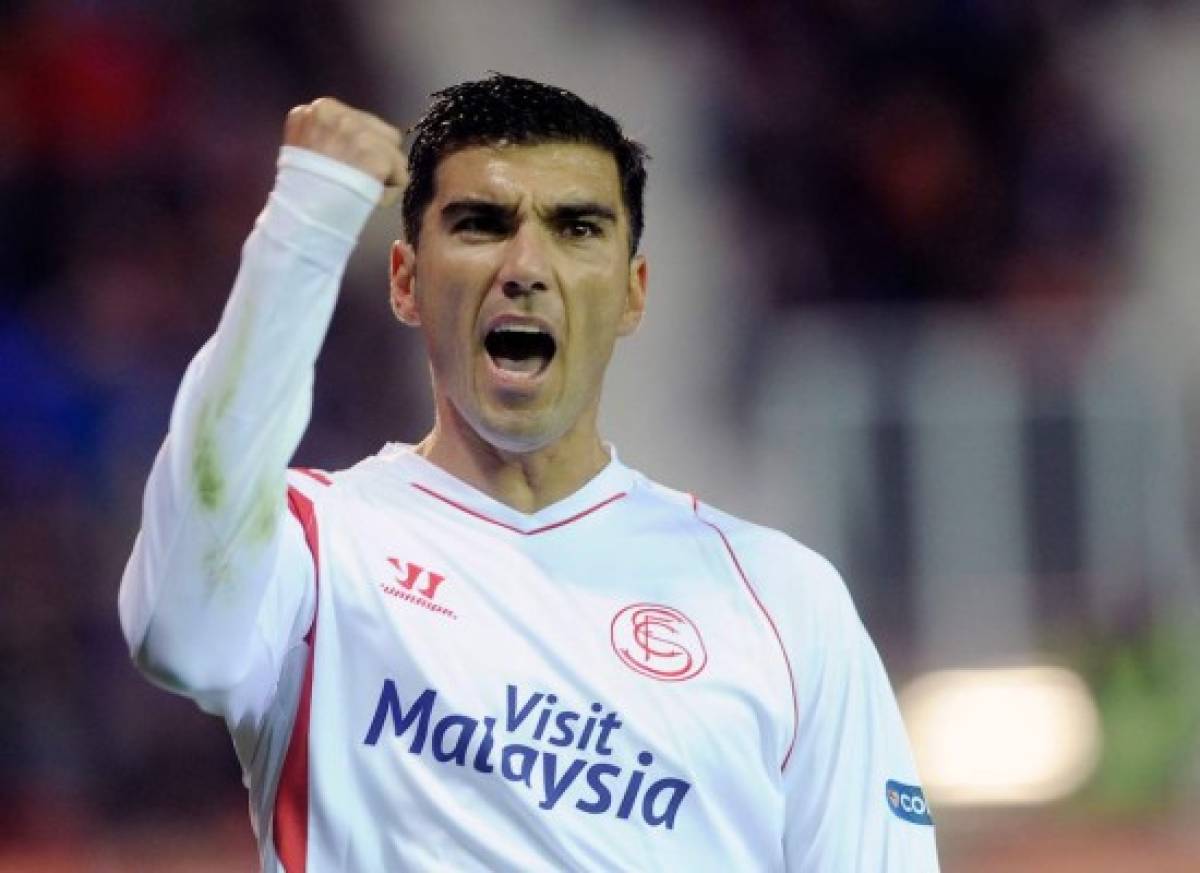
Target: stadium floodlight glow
1002, 736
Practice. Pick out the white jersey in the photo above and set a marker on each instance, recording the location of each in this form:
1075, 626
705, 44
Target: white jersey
419, 677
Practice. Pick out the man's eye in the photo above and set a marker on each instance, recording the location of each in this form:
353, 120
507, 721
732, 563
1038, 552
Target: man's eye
477, 224
581, 229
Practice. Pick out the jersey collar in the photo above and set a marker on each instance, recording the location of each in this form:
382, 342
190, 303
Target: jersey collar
610, 485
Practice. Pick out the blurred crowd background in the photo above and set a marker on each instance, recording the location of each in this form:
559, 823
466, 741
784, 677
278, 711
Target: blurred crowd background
923, 294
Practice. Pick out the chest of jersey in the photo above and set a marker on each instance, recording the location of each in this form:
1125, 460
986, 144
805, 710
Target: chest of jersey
607, 683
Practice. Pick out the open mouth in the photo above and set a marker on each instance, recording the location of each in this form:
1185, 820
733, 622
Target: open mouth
522, 350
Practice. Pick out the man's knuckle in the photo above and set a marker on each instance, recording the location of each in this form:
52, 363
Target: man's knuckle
327, 110
364, 139
333, 128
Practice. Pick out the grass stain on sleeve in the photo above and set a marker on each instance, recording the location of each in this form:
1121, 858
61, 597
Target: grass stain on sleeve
265, 510
237, 363
206, 465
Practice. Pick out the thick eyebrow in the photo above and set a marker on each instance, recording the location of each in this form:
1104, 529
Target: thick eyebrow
457, 209
561, 213
567, 212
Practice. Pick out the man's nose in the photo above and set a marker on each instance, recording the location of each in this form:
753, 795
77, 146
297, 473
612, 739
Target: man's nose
525, 269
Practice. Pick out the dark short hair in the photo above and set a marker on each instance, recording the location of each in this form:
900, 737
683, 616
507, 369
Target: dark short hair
506, 110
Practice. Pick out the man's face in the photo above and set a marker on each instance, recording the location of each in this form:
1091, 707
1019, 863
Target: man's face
522, 284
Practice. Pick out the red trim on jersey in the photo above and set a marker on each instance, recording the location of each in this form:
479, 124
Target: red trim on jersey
314, 474
770, 621
528, 533
291, 795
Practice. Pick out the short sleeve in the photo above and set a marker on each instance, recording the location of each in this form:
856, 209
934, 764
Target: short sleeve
853, 797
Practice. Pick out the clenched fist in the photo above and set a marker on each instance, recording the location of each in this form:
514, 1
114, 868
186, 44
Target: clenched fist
330, 127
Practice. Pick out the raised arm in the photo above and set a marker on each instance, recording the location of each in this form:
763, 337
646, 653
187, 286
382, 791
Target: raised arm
220, 580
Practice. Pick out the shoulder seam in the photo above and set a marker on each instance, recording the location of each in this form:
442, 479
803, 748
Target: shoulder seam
787, 661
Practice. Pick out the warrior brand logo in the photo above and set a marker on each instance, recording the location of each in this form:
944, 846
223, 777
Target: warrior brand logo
658, 641
405, 587
908, 802
559, 754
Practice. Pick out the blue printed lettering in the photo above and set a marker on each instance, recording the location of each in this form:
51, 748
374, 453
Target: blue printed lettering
544, 718
566, 735
608, 724
389, 705
514, 717
658, 800
485, 748
603, 796
678, 789
554, 789
635, 783
528, 758
458, 752
586, 736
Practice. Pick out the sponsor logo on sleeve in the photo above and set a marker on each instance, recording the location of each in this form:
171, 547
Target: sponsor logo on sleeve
908, 803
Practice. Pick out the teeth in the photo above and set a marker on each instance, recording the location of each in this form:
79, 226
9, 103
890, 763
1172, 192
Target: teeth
517, 328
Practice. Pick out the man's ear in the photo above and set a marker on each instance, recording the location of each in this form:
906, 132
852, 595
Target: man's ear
403, 283
635, 297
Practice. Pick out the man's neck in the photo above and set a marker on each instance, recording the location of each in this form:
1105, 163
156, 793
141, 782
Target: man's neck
526, 481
